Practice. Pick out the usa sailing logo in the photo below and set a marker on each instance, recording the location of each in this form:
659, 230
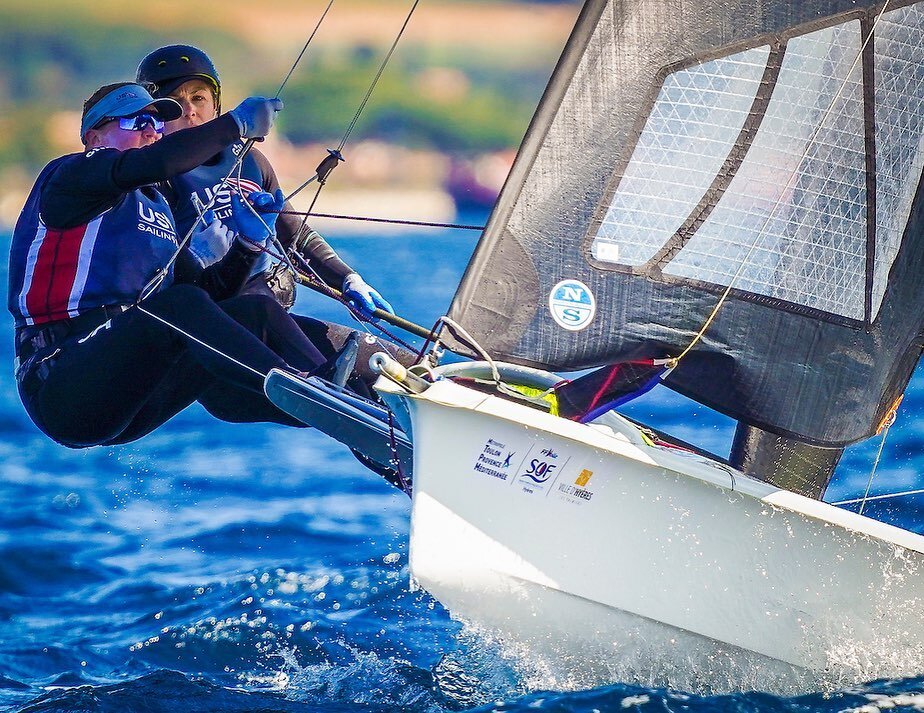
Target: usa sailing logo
572, 305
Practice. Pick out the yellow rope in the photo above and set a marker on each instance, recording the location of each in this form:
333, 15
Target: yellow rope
884, 428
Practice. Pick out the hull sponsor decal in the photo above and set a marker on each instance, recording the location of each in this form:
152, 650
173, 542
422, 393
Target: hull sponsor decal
495, 460
579, 491
540, 469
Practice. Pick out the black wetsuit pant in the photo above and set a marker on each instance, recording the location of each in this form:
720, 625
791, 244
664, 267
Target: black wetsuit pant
131, 375
328, 338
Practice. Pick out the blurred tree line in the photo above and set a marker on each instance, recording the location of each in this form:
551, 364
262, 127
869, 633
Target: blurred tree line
52, 56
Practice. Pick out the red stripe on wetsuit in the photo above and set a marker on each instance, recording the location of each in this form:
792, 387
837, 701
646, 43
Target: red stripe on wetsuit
54, 274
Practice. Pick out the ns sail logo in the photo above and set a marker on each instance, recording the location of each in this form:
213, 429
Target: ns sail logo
572, 305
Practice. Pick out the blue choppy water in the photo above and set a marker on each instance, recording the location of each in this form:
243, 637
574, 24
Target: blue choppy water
216, 567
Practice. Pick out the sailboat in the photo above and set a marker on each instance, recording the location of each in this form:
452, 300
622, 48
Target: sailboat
732, 191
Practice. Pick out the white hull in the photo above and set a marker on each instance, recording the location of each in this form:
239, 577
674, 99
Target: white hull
663, 567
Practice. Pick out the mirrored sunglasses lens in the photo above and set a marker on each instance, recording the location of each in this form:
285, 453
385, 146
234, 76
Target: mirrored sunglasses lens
140, 122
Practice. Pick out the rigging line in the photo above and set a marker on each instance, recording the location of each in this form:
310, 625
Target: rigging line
248, 145
305, 48
204, 344
237, 166
760, 234
161, 274
395, 221
495, 374
357, 315
359, 111
312, 276
395, 458
391, 51
314, 281
302, 187
871, 498
872, 473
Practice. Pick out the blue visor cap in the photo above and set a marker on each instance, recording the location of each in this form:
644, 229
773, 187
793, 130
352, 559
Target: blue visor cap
125, 101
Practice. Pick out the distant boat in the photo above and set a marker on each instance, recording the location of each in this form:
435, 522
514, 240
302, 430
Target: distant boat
735, 188
475, 183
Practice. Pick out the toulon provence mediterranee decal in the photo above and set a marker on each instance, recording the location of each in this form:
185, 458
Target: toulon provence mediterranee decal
572, 305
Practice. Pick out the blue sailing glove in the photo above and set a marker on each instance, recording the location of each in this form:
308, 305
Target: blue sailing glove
256, 219
363, 297
210, 241
255, 116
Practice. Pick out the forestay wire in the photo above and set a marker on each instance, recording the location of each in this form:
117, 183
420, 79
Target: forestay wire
336, 154
304, 49
278, 250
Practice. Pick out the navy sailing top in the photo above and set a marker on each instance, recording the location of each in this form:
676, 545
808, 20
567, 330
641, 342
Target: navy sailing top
94, 230
254, 174
58, 273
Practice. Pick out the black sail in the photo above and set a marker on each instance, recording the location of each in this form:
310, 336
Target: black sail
685, 147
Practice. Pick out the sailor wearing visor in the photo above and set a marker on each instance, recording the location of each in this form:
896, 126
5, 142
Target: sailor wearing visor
95, 363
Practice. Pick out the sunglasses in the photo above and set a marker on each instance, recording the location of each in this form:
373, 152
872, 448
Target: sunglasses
138, 122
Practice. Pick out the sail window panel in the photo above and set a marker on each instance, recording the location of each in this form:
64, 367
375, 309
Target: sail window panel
693, 125
899, 91
792, 224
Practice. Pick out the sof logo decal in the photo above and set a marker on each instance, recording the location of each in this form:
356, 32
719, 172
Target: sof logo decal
572, 305
540, 469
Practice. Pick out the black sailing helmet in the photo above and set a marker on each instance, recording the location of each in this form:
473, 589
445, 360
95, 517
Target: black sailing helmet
167, 68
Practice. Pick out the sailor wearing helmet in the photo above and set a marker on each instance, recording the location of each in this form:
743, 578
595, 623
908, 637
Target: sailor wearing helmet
187, 74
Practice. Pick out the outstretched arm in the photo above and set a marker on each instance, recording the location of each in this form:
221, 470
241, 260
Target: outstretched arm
174, 154
85, 185
184, 150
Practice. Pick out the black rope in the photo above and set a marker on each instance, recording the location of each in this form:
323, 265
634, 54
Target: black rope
394, 221
378, 75
320, 176
403, 482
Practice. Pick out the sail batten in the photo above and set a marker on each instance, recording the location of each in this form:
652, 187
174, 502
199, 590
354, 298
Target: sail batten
685, 147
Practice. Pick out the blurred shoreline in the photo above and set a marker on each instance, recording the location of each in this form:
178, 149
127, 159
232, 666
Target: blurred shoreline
377, 180
437, 136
